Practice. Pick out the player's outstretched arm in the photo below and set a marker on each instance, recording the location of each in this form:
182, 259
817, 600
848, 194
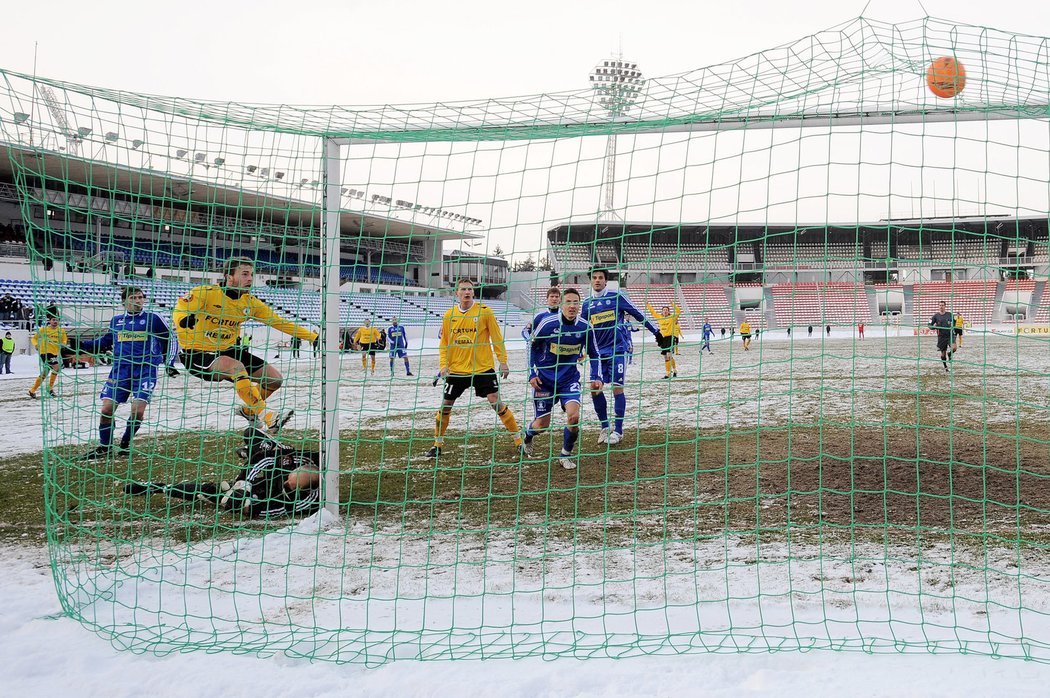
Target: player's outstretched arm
262, 312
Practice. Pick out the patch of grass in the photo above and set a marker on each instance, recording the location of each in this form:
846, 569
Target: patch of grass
804, 481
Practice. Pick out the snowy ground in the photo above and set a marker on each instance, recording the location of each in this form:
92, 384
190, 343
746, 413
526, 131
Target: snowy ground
997, 378
461, 592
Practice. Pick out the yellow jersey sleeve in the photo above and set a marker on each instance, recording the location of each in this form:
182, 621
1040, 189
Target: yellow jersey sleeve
443, 340
495, 335
261, 312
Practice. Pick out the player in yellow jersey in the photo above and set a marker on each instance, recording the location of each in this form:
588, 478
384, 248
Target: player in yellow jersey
49, 341
370, 340
469, 336
745, 334
668, 321
208, 321
960, 324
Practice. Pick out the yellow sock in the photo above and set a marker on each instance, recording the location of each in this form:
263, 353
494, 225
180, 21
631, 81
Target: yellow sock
373, 363
507, 417
440, 425
667, 364
51, 381
364, 360
674, 364
36, 384
248, 392
265, 393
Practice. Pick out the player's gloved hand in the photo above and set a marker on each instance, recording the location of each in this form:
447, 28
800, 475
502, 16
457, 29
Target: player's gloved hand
171, 371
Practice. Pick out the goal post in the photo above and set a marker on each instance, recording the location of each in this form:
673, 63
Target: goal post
710, 457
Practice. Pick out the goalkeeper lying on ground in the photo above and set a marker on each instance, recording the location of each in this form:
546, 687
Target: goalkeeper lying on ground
275, 481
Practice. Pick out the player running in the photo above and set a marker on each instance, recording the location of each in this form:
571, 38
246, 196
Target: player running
397, 342
668, 321
49, 341
208, 321
708, 333
469, 336
369, 339
556, 346
942, 322
140, 341
604, 310
745, 334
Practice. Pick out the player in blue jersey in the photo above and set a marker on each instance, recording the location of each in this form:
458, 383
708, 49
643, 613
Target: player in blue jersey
557, 343
708, 333
605, 309
553, 306
397, 343
141, 341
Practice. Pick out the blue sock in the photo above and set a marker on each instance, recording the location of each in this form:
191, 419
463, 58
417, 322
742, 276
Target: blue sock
619, 409
391, 364
105, 433
129, 432
601, 408
408, 369
568, 440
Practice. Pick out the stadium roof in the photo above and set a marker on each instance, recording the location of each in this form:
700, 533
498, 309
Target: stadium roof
238, 201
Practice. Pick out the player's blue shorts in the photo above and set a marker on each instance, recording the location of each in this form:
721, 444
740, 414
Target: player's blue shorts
614, 369
135, 383
564, 392
398, 353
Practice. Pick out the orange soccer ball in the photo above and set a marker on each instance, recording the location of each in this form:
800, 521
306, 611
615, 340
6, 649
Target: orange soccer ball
946, 77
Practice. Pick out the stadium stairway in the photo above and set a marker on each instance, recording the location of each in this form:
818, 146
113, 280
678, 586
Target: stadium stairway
1040, 308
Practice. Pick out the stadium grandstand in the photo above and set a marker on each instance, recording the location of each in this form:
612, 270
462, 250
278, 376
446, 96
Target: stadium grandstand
989, 269
106, 226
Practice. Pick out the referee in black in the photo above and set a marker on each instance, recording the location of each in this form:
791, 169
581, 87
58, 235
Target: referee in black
943, 323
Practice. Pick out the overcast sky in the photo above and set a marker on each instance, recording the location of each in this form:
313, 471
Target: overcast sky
391, 51
357, 53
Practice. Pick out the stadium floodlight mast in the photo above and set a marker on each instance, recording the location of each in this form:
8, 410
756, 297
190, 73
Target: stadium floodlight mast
617, 86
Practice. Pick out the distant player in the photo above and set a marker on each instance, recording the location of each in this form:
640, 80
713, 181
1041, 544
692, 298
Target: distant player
397, 343
208, 321
49, 341
604, 309
745, 334
708, 332
469, 336
140, 341
667, 321
553, 308
860, 330
959, 324
942, 322
556, 345
369, 339
275, 481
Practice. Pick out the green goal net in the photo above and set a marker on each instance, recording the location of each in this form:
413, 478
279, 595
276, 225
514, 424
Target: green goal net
748, 423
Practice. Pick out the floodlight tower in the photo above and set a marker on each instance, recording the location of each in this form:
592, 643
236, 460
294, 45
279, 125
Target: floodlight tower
617, 85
